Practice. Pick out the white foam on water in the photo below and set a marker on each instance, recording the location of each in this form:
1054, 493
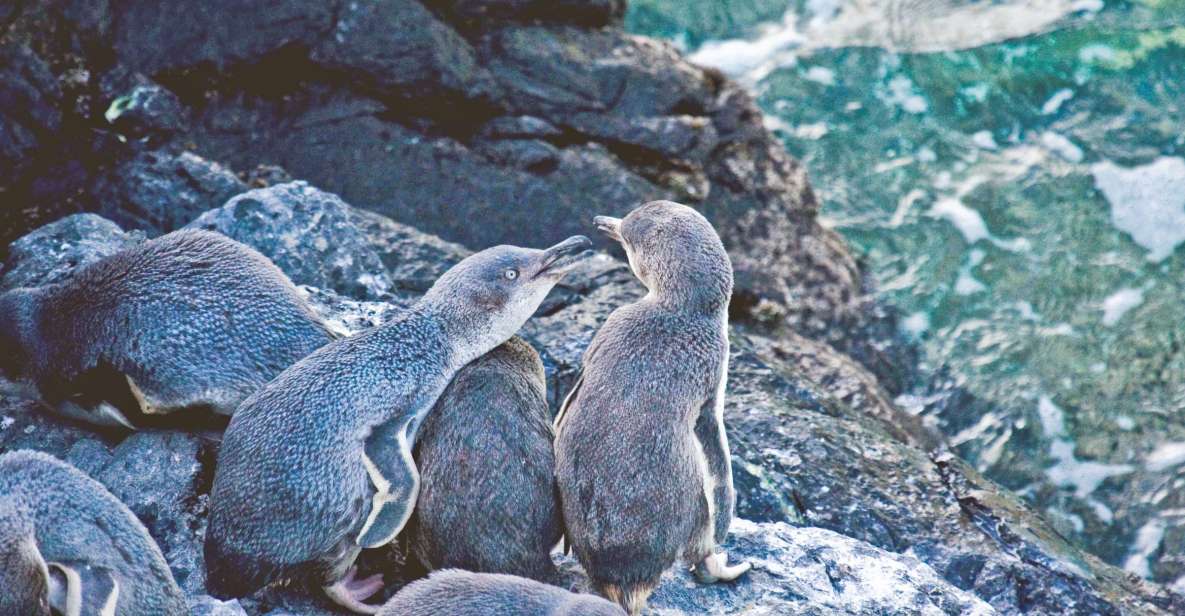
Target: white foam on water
1055, 102
1124, 422
1060, 145
821, 74
916, 324
905, 95
1119, 303
1147, 202
967, 284
749, 59
1068, 471
1148, 538
966, 220
1165, 456
983, 139
1052, 417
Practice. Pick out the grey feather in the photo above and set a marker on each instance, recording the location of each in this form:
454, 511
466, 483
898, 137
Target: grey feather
76, 522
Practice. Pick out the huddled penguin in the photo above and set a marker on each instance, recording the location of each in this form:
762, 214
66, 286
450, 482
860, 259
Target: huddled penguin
463, 593
189, 319
642, 459
318, 464
68, 545
488, 500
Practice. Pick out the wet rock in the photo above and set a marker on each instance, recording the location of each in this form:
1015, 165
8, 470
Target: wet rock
308, 233
160, 191
48, 254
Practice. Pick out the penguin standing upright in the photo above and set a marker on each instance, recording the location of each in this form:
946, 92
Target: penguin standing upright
642, 459
488, 499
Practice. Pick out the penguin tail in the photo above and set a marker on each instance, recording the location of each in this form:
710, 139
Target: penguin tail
631, 597
230, 575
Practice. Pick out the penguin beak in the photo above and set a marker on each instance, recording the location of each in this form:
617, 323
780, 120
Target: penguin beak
609, 226
558, 259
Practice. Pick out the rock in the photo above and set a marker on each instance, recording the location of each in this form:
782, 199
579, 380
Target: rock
159, 191
147, 109
403, 51
206, 605
148, 37
814, 571
308, 233
475, 13
30, 109
48, 255
157, 475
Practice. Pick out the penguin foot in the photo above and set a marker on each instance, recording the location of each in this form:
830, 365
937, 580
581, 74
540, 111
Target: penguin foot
102, 414
715, 568
350, 592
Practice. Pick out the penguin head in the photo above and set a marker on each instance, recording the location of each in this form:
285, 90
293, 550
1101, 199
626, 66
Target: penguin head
490, 294
24, 575
675, 252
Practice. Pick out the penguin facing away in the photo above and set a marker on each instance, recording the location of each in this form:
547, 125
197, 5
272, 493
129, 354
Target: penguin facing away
488, 500
642, 459
68, 545
317, 465
464, 593
189, 319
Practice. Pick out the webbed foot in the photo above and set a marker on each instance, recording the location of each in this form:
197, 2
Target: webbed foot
715, 568
350, 592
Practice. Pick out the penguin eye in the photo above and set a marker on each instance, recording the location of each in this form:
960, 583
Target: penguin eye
510, 274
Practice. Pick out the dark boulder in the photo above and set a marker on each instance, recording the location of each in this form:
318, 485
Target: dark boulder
308, 233
30, 109
161, 191
49, 254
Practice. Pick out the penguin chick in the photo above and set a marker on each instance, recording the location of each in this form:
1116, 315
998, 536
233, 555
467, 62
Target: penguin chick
488, 500
318, 465
68, 545
642, 459
462, 593
189, 319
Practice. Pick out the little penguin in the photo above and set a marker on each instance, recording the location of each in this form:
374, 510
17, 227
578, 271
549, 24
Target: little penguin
317, 465
69, 547
189, 319
488, 500
642, 459
464, 593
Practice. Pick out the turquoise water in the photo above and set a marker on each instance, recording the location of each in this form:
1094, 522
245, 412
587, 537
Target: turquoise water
1013, 174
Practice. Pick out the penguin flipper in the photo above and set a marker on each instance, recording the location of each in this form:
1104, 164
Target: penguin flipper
709, 431
78, 589
567, 403
388, 461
